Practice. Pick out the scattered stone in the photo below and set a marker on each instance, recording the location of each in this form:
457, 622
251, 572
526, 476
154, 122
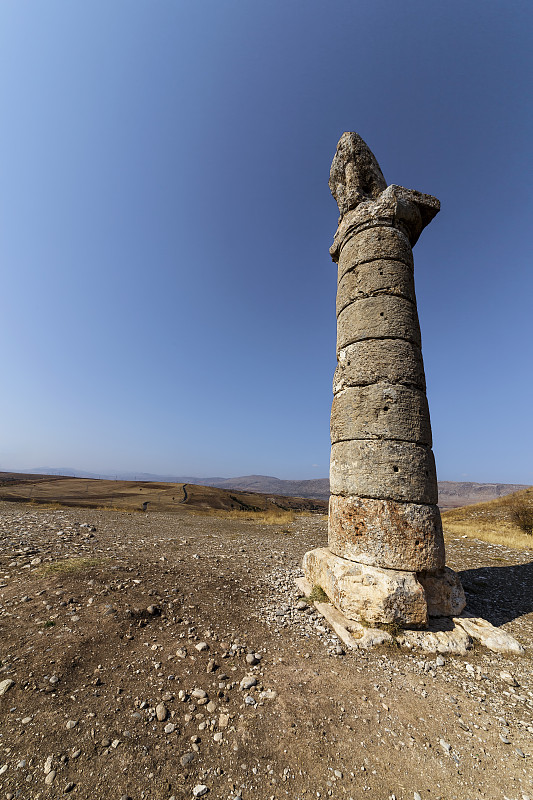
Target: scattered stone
199, 790
161, 712
71, 724
169, 728
6, 685
247, 682
187, 758
508, 678
201, 647
50, 776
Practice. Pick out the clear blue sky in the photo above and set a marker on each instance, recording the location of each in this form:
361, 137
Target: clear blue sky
168, 300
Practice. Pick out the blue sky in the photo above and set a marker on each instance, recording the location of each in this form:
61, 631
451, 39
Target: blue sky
168, 300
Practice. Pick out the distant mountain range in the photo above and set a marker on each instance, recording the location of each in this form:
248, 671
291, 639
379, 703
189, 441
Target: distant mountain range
452, 494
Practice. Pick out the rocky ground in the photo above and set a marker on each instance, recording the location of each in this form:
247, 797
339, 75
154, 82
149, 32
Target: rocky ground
169, 655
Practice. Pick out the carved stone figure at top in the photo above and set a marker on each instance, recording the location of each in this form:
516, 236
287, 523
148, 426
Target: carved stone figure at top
355, 173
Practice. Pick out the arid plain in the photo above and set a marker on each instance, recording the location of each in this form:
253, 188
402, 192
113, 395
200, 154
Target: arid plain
168, 654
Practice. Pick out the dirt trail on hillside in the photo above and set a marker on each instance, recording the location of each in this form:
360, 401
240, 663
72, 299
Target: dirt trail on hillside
154, 654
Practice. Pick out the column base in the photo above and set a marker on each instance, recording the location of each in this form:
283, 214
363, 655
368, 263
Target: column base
378, 596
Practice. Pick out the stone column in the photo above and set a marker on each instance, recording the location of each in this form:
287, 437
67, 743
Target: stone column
385, 561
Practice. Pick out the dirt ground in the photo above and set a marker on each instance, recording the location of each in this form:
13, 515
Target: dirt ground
164, 655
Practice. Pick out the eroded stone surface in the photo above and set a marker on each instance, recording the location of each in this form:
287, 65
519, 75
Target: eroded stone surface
381, 411
444, 593
366, 593
495, 639
355, 173
440, 638
378, 317
387, 470
376, 277
373, 244
385, 533
372, 361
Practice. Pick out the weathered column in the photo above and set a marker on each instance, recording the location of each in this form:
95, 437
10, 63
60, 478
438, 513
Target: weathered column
385, 561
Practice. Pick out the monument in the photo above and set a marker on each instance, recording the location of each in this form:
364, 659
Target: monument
385, 557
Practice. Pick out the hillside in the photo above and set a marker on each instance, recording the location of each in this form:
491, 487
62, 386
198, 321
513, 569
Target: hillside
148, 496
493, 521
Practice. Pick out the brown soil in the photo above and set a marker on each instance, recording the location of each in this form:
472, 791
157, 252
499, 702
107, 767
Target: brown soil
92, 623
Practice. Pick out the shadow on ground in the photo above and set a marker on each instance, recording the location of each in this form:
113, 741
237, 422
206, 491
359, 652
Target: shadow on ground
499, 594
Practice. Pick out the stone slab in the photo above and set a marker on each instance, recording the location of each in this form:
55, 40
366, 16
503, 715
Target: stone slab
383, 276
444, 637
495, 639
444, 592
389, 470
393, 360
380, 317
353, 634
368, 594
381, 411
445, 640
387, 534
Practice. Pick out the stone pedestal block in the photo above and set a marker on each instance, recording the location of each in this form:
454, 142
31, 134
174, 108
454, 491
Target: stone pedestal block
386, 470
387, 534
367, 594
444, 593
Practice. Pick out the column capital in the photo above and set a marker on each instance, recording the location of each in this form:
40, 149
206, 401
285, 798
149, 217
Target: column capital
397, 207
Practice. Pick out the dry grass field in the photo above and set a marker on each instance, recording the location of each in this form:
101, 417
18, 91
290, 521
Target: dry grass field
492, 522
151, 496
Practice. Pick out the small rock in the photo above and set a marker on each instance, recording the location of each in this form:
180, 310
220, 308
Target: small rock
161, 712
6, 685
445, 746
440, 662
223, 720
198, 694
218, 736
301, 605
201, 646
71, 724
154, 611
50, 777
416, 796
48, 765
169, 728
247, 682
69, 787
199, 790
508, 678
187, 758
181, 652
504, 739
